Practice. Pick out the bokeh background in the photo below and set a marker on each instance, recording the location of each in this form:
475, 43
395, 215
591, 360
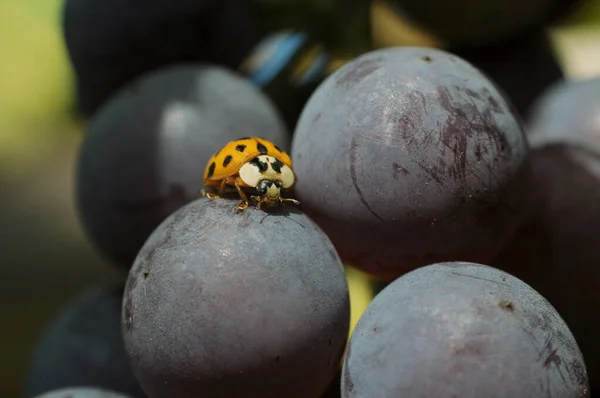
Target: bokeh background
45, 258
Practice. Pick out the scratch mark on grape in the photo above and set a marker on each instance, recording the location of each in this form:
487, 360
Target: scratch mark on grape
353, 146
477, 277
285, 216
552, 357
432, 174
360, 70
398, 171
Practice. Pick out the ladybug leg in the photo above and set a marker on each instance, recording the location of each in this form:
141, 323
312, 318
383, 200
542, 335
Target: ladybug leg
242, 206
207, 194
294, 201
259, 201
222, 187
210, 195
214, 195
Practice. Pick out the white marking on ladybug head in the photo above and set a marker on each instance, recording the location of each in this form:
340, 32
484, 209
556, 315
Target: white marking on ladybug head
288, 178
254, 171
265, 167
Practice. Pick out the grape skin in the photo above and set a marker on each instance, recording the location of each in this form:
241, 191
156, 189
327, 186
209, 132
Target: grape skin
409, 156
221, 304
556, 250
528, 58
83, 347
144, 154
462, 330
81, 392
111, 43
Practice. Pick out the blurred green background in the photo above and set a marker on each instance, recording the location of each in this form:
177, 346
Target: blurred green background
45, 259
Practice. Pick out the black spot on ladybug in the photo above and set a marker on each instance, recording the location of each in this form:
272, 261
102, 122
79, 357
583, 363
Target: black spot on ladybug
262, 166
277, 165
211, 169
240, 148
227, 160
261, 148
244, 138
276, 147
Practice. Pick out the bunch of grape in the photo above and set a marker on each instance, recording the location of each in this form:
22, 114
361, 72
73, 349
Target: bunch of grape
413, 165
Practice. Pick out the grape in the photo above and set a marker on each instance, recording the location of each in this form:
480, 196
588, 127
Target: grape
111, 42
467, 330
481, 22
410, 156
81, 392
527, 58
83, 347
333, 390
556, 250
144, 154
227, 304
568, 112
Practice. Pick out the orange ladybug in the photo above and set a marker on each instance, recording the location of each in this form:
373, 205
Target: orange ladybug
251, 163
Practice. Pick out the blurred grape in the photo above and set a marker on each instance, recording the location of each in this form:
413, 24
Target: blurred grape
556, 250
468, 331
227, 304
523, 67
144, 154
410, 156
568, 112
481, 22
83, 347
111, 42
81, 392
288, 66
333, 391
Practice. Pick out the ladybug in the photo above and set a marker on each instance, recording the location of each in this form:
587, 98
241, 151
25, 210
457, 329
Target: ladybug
251, 163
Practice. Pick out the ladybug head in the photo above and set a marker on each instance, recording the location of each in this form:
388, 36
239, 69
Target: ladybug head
271, 189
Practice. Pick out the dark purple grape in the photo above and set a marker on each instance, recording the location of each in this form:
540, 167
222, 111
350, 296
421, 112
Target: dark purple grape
227, 304
410, 156
482, 22
144, 154
81, 392
333, 390
556, 250
527, 58
112, 42
83, 347
462, 330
